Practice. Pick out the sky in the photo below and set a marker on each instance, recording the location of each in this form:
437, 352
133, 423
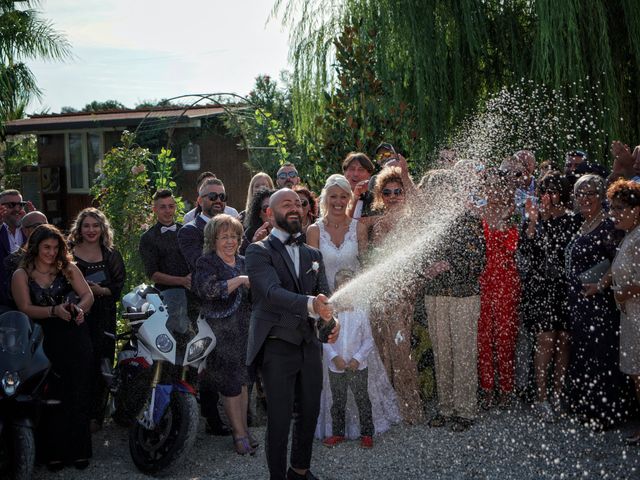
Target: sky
136, 50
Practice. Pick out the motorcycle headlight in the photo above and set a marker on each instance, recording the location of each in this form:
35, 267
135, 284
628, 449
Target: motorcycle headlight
164, 343
198, 348
10, 382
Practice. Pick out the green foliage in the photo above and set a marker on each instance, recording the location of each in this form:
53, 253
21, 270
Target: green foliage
19, 152
97, 106
162, 169
444, 58
122, 193
24, 36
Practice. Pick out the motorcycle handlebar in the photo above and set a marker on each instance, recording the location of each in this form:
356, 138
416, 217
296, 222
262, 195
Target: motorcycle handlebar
137, 315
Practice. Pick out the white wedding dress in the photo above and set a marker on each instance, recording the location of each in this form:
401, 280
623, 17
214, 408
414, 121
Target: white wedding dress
384, 406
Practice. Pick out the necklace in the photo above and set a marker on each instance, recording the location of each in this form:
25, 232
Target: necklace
589, 225
333, 224
43, 273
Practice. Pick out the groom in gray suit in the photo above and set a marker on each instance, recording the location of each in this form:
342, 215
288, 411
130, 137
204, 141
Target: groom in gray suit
288, 287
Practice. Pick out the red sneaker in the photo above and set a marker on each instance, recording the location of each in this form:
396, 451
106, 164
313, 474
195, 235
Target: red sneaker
333, 441
366, 441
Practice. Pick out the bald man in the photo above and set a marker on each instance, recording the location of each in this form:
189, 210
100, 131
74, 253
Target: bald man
29, 222
288, 284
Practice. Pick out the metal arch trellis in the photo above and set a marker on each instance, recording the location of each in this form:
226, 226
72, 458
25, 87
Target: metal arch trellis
151, 124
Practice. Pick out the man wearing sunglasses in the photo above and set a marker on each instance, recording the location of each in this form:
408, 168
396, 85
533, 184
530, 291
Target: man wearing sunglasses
11, 235
192, 214
287, 176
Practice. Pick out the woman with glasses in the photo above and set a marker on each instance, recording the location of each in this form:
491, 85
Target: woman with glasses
309, 207
624, 197
392, 315
593, 375
547, 230
499, 292
91, 242
256, 223
221, 282
52, 291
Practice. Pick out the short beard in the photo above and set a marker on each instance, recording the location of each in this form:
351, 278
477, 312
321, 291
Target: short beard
291, 227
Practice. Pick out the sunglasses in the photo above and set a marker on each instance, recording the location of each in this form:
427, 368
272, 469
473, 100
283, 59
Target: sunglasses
213, 196
284, 175
304, 203
385, 155
33, 225
387, 192
14, 204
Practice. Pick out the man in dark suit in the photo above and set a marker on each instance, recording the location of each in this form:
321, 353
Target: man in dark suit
287, 288
212, 199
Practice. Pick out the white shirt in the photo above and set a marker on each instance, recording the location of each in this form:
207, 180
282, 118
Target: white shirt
294, 252
15, 240
354, 342
191, 214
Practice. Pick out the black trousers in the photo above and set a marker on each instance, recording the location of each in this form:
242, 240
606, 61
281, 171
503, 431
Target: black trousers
358, 382
291, 374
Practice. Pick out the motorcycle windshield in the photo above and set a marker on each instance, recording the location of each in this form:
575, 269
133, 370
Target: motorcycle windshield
15, 328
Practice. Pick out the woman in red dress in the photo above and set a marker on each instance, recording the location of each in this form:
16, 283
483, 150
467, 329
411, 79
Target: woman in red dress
499, 293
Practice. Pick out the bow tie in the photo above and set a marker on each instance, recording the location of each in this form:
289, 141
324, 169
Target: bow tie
299, 240
172, 228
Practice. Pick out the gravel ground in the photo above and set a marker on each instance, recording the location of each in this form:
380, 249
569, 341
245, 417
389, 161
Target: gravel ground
501, 445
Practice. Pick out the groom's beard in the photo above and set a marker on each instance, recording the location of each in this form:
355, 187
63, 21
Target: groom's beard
290, 222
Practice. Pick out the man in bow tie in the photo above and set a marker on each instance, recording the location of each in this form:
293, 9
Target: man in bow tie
163, 262
288, 286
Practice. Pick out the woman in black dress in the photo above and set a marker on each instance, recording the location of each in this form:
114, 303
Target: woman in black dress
91, 241
548, 229
256, 224
595, 385
52, 291
221, 282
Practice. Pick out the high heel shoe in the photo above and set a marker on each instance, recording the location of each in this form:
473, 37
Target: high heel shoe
81, 464
55, 466
243, 446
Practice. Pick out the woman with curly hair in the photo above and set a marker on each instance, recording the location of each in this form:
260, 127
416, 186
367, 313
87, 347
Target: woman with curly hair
392, 314
256, 224
91, 241
44, 287
309, 206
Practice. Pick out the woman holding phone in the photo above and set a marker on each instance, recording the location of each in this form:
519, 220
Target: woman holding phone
51, 290
91, 241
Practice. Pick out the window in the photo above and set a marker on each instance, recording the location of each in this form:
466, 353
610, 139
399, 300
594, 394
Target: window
84, 152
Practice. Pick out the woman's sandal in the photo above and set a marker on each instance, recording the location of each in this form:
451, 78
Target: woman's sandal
243, 446
252, 441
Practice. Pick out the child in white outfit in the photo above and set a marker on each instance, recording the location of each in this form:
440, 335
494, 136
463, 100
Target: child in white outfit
347, 363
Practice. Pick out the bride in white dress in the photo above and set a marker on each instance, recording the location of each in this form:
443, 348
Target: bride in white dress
340, 239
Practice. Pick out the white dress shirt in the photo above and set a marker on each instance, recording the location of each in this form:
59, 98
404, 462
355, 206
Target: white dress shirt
294, 252
191, 214
15, 239
354, 342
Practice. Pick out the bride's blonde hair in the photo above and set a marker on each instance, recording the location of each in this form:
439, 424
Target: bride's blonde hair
335, 180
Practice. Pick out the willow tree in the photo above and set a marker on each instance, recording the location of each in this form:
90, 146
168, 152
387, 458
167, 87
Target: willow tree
444, 58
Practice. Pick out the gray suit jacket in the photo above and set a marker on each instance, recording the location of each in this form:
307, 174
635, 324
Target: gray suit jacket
279, 297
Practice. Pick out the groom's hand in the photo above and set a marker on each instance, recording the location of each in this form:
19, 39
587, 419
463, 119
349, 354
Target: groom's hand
322, 307
333, 336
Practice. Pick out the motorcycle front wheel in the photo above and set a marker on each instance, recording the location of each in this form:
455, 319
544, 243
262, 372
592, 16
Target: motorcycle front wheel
160, 450
17, 453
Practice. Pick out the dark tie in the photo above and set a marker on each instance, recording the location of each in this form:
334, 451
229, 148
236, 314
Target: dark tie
299, 240
172, 228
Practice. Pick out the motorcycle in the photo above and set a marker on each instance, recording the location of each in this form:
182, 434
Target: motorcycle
23, 369
150, 384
